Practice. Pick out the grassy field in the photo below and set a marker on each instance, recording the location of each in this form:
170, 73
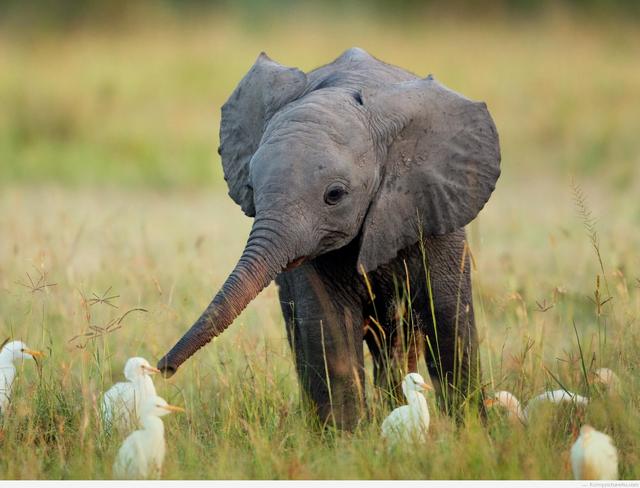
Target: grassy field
110, 185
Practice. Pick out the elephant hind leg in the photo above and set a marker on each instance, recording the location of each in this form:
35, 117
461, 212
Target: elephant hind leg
453, 359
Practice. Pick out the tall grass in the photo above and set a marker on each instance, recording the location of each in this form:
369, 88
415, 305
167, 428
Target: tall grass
245, 418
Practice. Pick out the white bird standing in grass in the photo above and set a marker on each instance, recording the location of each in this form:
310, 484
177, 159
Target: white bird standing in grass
10, 353
122, 402
410, 422
508, 401
606, 378
556, 397
142, 452
593, 456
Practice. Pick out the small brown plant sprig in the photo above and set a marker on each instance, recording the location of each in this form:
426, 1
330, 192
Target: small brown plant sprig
598, 299
589, 222
543, 306
36, 286
103, 299
95, 331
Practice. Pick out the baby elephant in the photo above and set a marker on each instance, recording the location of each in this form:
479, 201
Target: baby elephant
360, 177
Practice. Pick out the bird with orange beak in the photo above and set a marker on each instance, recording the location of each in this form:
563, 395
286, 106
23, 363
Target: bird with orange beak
508, 402
142, 452
409, 423
11, 353
511, 405
121, 404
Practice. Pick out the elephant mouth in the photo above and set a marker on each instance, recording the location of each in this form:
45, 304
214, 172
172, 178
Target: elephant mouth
295, 263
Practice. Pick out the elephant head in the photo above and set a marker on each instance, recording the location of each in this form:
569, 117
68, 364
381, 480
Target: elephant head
357, 149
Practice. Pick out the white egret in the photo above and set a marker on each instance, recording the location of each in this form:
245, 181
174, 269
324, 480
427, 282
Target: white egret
508, 401
555, 396
10, 353
142, 452
593, 456
410, 422
606, 378
122, 402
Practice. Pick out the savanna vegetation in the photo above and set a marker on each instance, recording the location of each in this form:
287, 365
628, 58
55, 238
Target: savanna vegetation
115, 230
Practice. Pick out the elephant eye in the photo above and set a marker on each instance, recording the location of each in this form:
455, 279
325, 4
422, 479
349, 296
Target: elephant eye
334, 193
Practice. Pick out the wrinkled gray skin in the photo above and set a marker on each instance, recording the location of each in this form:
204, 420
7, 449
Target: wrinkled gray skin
357, 168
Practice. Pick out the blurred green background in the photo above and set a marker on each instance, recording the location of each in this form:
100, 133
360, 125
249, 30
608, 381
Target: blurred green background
127, 93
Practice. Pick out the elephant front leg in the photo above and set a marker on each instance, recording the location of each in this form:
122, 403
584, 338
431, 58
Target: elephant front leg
451, 345
331, 370
451, 352
453, 364
325, 335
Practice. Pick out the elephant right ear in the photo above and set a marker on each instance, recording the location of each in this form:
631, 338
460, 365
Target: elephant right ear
265, 89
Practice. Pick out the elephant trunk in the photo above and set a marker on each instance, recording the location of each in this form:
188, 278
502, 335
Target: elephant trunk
262, 259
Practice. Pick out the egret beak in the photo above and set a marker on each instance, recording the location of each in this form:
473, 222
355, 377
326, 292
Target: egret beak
150, 369
35, 354
173, 408
489, 402
426, 387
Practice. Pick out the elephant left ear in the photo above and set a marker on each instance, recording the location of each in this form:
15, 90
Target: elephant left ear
440, 159
265, 89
